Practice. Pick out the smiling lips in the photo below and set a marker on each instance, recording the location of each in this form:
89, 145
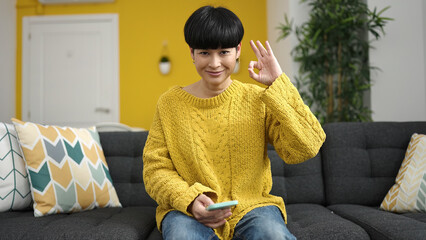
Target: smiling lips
214, 74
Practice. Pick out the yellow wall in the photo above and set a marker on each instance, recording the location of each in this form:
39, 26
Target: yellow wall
144, 26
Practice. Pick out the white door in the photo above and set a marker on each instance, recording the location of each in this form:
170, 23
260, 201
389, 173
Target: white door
70, 69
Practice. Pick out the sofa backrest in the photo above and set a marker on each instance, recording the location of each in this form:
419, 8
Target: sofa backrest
361, 160
297, 183
123, 152
300, 183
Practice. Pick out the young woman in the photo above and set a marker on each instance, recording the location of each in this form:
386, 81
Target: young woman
207, 143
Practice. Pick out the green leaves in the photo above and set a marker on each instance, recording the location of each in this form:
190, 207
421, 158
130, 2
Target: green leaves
333, 50
285, 28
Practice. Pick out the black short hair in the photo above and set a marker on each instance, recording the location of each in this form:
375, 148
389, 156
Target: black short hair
212, 28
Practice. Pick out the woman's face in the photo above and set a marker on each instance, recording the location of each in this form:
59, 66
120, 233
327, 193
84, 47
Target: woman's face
215, 65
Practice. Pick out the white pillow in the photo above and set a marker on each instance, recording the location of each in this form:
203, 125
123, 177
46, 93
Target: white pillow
14, 184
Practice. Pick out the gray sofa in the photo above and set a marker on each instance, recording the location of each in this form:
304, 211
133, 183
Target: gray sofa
334, 195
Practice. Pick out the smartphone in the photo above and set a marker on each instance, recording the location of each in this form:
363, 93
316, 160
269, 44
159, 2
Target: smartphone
222, 205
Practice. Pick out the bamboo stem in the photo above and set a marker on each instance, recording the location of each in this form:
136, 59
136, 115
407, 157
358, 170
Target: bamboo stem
330, 97
329, 81
339, 81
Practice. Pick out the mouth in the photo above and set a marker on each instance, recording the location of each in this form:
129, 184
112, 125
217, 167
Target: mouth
214, 73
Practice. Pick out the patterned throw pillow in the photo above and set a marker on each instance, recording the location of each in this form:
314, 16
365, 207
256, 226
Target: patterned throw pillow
14, 185
409, 192
67, 168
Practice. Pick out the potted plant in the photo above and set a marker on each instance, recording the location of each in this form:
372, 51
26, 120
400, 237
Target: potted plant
332, 51
164, 65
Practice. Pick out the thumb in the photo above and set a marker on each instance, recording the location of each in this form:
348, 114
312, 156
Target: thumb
205, 200
252, 73
198, 208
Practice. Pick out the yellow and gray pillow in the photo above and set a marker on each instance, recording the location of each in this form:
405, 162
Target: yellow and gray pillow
408, 194
67, 168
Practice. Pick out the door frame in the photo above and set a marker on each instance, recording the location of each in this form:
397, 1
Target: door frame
78, 18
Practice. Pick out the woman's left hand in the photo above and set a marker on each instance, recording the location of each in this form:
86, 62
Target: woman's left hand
267, 64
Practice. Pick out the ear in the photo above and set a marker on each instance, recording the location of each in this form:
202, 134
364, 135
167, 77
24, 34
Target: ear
239, 50
192, 53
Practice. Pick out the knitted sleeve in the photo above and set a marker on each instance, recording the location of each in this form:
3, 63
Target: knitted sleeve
162, 181
291, 126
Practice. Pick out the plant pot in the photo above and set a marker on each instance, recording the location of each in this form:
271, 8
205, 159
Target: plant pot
164, 67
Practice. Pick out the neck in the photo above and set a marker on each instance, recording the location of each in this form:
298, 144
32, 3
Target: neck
212, 90
203, 89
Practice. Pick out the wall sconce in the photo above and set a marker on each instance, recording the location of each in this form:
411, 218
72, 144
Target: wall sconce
164, 64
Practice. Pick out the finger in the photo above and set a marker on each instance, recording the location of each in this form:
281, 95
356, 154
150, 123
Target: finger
227, 214
261, 49
255, 50
255, 64
252, 64
253, 75
217, 215
216, 225
222, 214
213, 220
269, 49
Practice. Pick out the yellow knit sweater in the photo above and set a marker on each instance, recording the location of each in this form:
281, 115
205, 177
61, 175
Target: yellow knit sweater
218, 145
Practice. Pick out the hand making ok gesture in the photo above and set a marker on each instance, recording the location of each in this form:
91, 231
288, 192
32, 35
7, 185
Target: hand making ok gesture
267, 64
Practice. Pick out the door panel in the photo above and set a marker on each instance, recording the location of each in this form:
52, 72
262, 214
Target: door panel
72, 76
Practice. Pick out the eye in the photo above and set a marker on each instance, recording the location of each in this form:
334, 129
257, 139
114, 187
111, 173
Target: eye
203, 53
224, 52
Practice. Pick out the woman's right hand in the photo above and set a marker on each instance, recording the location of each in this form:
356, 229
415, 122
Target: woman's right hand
212, 219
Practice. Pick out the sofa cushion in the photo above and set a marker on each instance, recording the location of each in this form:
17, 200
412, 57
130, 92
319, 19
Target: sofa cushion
381, 224
155, 235
313, 221
100, 223
361, 160
297, 183
123, 153
14, 185
67, 168
415, 215
408, 194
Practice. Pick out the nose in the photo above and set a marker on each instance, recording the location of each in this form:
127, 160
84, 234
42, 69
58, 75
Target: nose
214, 61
